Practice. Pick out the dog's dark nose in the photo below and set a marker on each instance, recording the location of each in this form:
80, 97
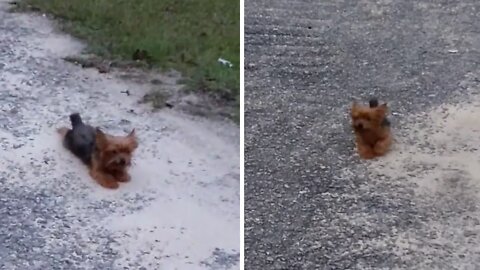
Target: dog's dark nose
122, 162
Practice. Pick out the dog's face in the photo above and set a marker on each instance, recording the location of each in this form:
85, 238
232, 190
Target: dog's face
115, 152
367, 118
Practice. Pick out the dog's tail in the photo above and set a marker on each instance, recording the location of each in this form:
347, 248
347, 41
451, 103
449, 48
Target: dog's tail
373, 103
75, 119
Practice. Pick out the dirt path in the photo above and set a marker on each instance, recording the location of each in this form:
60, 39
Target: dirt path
181, 209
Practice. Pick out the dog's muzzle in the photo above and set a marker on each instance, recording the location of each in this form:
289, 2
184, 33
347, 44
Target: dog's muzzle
358, 126
120, 162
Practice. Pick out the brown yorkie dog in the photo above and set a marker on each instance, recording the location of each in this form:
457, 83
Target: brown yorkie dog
372, 129
108, 157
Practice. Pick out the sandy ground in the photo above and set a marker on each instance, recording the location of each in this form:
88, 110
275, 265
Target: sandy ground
310, 201
181, 209
436, 153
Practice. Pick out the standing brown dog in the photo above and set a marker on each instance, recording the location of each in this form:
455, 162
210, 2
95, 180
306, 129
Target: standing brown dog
372, 129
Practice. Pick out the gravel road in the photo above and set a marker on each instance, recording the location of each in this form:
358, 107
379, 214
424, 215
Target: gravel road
310, 202
181, 209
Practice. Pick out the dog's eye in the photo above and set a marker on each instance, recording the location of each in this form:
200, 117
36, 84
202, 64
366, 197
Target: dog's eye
113, 152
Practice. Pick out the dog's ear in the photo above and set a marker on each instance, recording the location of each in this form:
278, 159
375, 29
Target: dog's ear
354, 109
382, 109
133, 139
100, 138
132, 133
384, 106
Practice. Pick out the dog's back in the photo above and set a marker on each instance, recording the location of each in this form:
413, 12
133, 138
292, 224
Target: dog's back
80, 140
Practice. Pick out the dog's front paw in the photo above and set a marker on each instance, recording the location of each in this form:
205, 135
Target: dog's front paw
124, 177
105, 180
365, 151
109, 184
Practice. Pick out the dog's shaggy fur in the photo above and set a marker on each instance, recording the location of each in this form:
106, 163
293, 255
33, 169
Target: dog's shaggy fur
107, 157
372, 129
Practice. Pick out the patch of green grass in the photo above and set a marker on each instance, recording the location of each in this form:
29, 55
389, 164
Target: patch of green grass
187, 35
